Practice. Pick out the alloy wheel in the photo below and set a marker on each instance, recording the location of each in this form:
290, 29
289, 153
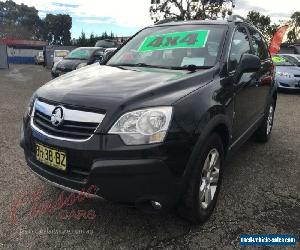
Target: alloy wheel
209, 178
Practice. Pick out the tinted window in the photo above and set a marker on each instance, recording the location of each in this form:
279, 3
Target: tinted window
258, 44
106, 44
240, 45
98, 53
291, 59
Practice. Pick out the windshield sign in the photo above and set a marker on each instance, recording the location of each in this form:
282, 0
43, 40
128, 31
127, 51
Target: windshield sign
281, 61
278, 59
188, 39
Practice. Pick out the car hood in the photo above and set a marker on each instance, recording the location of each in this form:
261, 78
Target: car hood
69, 64
105, 87
294, 70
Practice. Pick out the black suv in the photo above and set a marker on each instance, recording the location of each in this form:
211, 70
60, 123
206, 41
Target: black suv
154, 124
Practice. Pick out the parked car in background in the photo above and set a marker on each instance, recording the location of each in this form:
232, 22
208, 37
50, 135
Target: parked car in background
76, 59
39, 58
108, 53
153, 126
107, 43
293, 58
287, 73
58, 55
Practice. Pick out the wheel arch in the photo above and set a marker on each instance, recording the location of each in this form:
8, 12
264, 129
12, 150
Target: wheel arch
220, 125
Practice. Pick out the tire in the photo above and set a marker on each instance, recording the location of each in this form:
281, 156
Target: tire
263, 133
193, 208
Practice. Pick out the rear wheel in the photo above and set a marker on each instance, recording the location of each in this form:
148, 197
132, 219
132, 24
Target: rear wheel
263, 133
201, 196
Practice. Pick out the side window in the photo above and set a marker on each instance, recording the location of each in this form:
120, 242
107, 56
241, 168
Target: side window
98, 53
240, 45
260, 48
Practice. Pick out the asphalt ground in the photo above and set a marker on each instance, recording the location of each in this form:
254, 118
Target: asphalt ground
260, 191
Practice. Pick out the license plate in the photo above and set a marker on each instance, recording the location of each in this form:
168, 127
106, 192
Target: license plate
51, 157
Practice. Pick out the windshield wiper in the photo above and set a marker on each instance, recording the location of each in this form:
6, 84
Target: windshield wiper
137, 65
191, 67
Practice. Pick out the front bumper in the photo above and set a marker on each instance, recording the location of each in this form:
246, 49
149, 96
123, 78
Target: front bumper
132, 175
292, 84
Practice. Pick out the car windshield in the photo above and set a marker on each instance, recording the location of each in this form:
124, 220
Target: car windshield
80, 53
282, 61
174, 47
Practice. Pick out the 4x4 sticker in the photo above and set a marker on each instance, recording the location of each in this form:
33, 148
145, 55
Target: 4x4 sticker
186, 39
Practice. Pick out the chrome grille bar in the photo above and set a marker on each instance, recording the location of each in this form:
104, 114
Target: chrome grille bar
78, 125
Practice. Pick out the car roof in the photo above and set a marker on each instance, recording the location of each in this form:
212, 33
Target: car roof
193, 22
94, 48
293, 55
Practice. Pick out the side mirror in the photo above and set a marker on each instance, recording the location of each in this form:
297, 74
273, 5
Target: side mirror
96, 58
249, 63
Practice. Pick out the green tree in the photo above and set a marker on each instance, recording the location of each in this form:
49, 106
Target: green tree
19, 21
294, 33
263, 23
82, 40
104, 35
190, 9
92, 40
56, 29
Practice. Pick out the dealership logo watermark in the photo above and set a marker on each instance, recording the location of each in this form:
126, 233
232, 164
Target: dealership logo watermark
30, 205
267, 240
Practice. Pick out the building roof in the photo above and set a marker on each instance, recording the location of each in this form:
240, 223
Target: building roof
8, 41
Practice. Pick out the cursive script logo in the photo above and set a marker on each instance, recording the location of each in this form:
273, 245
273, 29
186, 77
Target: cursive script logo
34, 206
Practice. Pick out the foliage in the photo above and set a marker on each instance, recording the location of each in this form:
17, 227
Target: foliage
189, 9
263, 23
18, 21
294, 33
83, 41
56, 29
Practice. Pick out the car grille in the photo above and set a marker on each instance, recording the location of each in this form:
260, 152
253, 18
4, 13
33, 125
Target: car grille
77, 125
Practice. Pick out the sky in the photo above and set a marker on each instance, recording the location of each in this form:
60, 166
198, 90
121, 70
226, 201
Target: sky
125, 17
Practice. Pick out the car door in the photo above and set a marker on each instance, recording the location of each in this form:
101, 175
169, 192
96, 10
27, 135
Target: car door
245, 84
264, 77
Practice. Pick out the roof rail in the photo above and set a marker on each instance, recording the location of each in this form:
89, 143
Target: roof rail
167, 20
235, 18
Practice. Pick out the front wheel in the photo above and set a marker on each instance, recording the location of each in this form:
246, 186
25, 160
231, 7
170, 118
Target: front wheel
201, 196
263, 133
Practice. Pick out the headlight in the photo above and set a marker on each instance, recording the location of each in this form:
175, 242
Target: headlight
284, 74
54, 66
81, 65
30, 105
145, 126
